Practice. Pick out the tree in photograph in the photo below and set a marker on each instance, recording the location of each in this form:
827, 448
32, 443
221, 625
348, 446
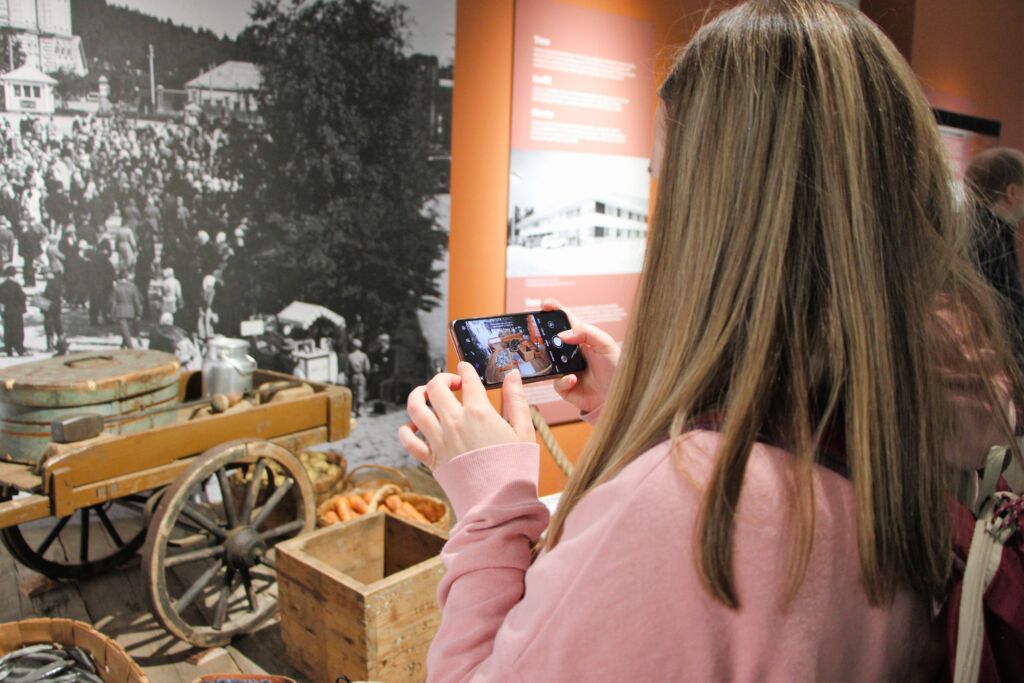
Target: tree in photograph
12, 54
341, 185
70, 86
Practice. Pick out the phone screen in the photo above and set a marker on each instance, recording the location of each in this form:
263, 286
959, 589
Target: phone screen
528, 342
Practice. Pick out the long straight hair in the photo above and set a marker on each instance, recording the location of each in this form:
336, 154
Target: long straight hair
806, 246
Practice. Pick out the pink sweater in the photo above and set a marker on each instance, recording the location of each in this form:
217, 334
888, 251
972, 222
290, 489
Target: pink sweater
619, 598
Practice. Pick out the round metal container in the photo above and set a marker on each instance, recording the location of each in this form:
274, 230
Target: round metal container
227, 368
112, 384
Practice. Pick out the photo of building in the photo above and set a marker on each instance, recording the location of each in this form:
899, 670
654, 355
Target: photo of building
43, 30
581, 223
576, 214
28, 90
229, 87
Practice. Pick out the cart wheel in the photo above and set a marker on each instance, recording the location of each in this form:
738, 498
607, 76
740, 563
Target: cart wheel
70, 547
210, 563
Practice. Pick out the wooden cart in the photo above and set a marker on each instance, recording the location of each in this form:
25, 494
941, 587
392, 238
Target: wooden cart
207, 499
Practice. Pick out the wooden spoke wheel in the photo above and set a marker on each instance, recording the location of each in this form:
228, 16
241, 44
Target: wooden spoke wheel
73, 547
209, 557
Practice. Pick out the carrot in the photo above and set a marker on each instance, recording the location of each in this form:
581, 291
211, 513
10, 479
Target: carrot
412, 513
359, 506
331, 517
367, 496
393, 502
381, 507
343, 508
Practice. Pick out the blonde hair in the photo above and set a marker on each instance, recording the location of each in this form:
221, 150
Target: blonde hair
805, 237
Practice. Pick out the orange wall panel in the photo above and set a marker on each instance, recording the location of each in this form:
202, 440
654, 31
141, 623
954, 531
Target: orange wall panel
481, 124
968, 57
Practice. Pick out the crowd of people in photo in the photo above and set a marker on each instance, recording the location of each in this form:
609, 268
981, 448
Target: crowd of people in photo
133, 222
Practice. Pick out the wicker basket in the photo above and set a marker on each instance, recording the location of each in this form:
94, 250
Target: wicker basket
325, 487
435, 510
113, 664
359, 479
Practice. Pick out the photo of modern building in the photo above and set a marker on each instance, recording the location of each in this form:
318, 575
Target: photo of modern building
581, 223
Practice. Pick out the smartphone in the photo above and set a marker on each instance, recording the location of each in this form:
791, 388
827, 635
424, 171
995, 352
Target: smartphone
527, 342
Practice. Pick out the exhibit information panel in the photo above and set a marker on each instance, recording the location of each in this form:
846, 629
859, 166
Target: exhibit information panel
578, 179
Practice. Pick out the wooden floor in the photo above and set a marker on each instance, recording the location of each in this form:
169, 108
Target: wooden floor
117, 603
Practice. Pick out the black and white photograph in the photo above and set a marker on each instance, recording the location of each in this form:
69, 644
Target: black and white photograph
173, 171
576, 214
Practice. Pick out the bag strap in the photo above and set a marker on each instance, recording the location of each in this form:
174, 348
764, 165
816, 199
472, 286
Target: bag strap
996, 461
983, 558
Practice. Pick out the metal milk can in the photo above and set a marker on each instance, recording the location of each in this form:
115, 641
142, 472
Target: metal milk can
227, 368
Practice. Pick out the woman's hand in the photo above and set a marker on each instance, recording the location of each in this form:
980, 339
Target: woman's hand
451, 428
587, 390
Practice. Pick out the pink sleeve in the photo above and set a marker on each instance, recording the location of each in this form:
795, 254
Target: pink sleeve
494, 495
590, 609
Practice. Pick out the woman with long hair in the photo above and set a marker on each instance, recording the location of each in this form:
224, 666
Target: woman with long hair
811, 358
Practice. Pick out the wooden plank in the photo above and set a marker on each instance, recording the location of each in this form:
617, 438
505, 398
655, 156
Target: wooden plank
12, 602
263, 652
157, 447
22, 510
119, 487
118, 604
300, 441
400, 637
62, 599
19, 476
339, 412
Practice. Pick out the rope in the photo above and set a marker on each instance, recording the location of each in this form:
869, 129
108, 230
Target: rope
541, 425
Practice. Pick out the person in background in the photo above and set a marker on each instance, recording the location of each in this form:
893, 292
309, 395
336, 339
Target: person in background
126, 309
127, 248
101, 283
206, 253
996, 177
30, 245
54, 255
207, 318
767, 492
145, 259
171, 299
7, 240
53, 319
358, 368
12, 305
382, 359
170, 338
78, 274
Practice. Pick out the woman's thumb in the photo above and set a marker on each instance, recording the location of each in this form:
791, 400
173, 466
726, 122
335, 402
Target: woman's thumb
514, 406
594, 337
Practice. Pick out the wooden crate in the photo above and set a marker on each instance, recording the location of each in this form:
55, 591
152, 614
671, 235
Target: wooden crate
360, 599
